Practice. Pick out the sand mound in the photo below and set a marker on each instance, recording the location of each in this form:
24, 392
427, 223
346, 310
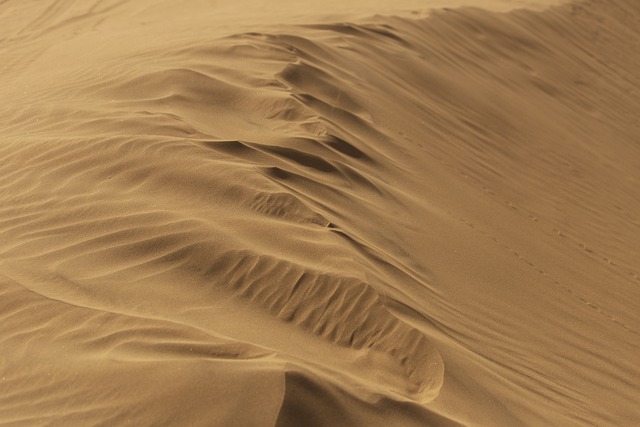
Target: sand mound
234, 215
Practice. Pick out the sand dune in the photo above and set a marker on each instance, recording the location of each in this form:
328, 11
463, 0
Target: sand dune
320, 214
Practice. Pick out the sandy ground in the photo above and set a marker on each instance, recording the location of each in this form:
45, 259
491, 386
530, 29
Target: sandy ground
337, 213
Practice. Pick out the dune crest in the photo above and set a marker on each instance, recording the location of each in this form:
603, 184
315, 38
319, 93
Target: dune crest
220, 216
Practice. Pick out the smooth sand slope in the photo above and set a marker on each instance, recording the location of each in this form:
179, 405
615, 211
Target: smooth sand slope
320, 214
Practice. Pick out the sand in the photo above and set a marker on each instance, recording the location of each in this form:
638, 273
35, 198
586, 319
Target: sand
361, 213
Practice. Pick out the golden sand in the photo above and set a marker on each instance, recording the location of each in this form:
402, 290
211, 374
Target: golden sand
340, 213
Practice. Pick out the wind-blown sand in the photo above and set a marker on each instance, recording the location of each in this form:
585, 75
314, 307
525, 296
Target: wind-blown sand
355, 213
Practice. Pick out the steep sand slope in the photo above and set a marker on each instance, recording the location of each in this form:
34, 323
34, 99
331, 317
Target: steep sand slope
325, 219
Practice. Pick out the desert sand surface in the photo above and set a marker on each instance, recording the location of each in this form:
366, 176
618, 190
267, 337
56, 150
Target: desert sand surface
323, 213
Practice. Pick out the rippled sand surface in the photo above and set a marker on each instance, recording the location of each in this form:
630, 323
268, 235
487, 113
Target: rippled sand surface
362, 213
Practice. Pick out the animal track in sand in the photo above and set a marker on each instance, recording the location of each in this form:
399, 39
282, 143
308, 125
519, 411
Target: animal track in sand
562, 234
564, 287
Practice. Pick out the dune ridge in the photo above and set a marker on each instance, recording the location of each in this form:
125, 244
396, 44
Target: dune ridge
413, 218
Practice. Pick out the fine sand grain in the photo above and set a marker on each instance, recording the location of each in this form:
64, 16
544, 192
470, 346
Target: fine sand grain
336, 213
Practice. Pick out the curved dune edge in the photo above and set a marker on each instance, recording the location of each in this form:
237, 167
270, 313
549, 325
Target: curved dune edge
391, 222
